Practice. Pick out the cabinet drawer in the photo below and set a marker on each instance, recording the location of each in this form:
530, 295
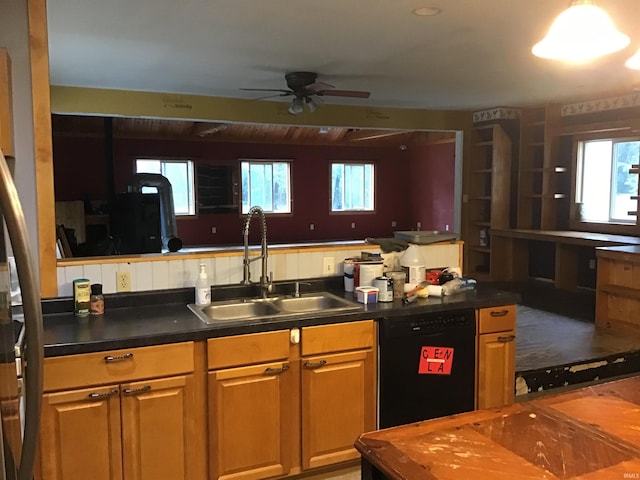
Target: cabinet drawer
116, 366
247, 349
338, 337
496, 319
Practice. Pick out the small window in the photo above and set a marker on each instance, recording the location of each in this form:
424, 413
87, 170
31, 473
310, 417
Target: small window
604, 185
352, 187
266, 184
180, 175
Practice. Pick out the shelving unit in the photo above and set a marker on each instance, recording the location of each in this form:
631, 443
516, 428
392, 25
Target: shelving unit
489, 184
544, 182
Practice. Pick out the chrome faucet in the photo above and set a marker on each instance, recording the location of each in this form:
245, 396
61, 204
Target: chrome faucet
266, 283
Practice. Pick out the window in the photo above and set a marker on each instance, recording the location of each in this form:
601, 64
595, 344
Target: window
180, 175
266, 184
352, 187
604, 185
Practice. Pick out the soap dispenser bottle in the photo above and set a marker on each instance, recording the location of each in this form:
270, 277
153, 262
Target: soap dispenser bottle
203, 289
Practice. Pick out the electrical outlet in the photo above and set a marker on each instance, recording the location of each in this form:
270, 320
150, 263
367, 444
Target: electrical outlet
328, 266
312, 226
214, 230
592, 263
123, 281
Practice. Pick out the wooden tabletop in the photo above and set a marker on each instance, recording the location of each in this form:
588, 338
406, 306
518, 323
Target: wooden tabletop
586, 434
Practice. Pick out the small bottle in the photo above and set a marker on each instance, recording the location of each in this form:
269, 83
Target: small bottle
96, 304
203, 289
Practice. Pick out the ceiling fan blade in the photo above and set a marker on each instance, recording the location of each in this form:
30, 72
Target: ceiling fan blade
344, 93
266, 90
318, 86
275, 95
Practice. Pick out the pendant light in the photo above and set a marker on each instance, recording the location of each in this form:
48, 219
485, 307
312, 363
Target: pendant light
634, 62
581, 33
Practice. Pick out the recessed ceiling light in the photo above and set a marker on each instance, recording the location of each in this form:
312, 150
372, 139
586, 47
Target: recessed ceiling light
426, 11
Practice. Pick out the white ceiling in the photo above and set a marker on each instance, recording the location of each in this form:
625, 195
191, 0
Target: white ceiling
474, 55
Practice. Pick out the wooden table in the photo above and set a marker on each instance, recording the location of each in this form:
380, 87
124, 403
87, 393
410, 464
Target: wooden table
586, 434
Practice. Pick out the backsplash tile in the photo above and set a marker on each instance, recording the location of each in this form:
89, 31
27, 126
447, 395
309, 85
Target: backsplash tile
160, 275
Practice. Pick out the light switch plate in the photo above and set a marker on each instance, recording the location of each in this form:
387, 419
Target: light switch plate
328, 266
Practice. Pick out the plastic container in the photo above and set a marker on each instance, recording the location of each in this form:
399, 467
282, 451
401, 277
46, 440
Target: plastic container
414, 265
203, 288
398, 279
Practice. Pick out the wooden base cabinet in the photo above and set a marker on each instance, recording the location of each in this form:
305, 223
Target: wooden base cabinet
287, 405
133, 430
496, 356
338, 390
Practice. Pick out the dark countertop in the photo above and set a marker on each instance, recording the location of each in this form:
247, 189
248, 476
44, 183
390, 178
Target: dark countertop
159, 317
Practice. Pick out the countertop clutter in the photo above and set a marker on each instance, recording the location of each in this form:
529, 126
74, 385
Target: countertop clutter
589, 433
159, 317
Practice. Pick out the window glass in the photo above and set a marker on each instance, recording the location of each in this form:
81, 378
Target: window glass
180, 175
605, 186
266, 184
352, 187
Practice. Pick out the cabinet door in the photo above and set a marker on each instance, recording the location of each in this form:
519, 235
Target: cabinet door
80, 435
338, 404
156, 428
249, 420
496, 369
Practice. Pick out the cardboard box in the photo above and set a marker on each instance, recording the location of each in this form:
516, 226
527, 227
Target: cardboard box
367, 294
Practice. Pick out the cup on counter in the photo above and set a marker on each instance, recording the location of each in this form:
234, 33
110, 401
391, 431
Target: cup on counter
399, 279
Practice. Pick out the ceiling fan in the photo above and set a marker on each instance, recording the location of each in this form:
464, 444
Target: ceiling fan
303, 86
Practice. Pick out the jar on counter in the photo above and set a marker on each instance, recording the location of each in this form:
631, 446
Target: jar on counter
96, 302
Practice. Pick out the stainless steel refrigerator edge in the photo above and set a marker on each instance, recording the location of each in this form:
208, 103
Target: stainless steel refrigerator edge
19, 443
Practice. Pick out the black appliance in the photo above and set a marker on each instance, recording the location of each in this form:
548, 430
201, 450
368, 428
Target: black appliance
135, 223
426, 366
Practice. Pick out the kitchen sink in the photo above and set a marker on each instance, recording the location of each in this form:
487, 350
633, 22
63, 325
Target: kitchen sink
311, 302
230, 310
317, 303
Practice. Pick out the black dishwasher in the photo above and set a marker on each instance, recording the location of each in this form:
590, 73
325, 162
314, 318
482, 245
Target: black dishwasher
426, 366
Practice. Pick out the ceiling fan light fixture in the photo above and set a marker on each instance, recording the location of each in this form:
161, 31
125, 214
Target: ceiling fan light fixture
634, 62
310, 104
581, 33
296, 107
426, 11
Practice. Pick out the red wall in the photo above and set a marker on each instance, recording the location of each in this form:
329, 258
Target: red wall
432, 186
401, 178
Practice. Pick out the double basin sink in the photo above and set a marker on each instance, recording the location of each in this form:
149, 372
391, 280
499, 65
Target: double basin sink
323, 303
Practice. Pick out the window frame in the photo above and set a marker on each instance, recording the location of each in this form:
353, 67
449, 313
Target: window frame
271, 161
191, 167
374, 165
575, 222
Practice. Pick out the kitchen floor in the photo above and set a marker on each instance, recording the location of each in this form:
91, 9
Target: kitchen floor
558, 344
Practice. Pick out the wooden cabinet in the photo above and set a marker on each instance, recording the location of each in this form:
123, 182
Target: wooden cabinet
277, 407
131, 430
6, 102
496, 356
338, 391
488, 194
250, 406
617, 286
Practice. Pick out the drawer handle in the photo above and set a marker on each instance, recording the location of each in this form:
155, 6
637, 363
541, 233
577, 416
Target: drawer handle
98, 396
319, 364
499, 313
133, 391
118, 358
275, 371
508, 338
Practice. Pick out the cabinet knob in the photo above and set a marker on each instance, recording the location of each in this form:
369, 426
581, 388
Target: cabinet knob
118, 358
499, 313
